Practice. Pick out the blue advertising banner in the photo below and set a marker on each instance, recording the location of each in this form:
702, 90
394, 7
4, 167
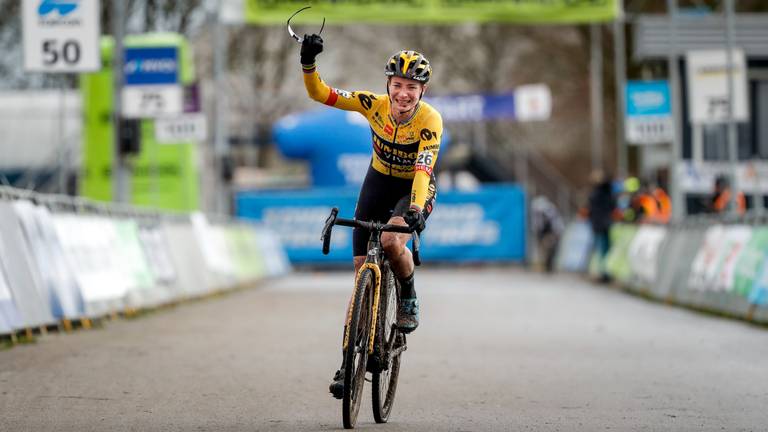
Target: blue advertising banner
648, 98
648, 112
155, 65
483, 225
474, 107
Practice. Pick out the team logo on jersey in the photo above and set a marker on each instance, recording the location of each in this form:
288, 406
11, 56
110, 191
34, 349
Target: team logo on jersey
427, 134
366, 100
396, 155
378, 120
343, 93
388, 129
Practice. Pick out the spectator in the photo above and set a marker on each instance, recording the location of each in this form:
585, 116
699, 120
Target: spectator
644, 205
721, 201
664, 203
602, 204
548, 227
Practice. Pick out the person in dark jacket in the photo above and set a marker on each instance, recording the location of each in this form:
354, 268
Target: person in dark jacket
602, 204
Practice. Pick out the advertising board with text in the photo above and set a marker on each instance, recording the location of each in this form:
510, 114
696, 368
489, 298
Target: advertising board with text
648, 112
152, 86
707, 73
61, 36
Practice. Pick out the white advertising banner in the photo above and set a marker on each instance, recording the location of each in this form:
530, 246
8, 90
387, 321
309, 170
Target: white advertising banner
706, 259
184, 128
61, 36
649, 129
736, 238
88, 243
5, 292
149, 101
644, 251
533, 102
158, 253
213, 244
65, 283
752, 176
708, 86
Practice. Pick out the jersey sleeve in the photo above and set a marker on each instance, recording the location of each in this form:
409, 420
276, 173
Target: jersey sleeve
429, 147
317, 89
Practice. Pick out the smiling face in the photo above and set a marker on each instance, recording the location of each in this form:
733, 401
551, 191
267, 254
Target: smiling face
404, 95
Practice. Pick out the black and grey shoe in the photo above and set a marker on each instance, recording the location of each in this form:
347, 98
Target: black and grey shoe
408, 315
337, 386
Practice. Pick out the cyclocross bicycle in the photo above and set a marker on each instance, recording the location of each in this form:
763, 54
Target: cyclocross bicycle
372, 341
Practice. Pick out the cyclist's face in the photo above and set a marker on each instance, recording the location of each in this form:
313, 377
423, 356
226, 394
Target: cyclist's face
404, 93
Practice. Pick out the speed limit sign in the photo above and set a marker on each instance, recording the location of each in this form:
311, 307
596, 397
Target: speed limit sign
61, 35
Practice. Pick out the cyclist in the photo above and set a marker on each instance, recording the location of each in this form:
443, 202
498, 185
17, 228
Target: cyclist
400, 186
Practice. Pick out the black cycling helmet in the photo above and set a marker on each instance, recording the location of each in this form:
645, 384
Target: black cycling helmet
409, 64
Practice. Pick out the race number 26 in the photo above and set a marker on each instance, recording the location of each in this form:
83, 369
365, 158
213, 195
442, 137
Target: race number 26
55, 52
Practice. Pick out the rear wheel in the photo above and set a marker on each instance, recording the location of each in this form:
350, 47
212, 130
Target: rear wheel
356, 353
384, 383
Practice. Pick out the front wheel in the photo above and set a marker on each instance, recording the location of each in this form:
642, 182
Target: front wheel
356, 350
390, 341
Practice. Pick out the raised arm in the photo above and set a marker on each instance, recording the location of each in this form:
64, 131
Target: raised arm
318, 90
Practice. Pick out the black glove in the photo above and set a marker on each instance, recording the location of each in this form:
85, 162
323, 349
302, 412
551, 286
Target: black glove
310, 48
415, 219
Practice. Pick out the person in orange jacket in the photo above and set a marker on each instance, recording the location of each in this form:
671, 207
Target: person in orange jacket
643, 207
721, 201
664, 204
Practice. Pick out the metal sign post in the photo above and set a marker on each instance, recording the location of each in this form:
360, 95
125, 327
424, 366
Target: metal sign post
222, 194
120, 171
596, 94
620, 67
676, 192
733, 156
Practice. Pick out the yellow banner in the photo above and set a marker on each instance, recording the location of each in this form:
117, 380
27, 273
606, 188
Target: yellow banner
432, 11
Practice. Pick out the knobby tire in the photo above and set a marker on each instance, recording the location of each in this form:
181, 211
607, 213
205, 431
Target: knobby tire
384, 383
356, 354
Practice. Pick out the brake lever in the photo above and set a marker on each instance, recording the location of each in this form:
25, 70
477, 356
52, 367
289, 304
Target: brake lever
293, 34
416, 242
327, 229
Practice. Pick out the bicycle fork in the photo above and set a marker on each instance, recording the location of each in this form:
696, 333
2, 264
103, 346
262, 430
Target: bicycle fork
372, 264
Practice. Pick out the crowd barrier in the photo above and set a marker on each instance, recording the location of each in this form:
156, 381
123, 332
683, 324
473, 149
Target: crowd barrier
66, 259
705, 263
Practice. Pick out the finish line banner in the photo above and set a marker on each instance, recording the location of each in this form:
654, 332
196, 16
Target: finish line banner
431, 11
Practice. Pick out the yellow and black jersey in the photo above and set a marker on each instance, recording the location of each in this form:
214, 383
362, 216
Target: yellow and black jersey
406, 151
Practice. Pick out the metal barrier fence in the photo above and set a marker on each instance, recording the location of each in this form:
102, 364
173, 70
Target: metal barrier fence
706, 263
65, 260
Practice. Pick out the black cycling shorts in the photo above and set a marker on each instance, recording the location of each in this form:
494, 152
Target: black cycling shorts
382, 197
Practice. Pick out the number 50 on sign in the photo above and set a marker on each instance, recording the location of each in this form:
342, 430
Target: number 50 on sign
61, 35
